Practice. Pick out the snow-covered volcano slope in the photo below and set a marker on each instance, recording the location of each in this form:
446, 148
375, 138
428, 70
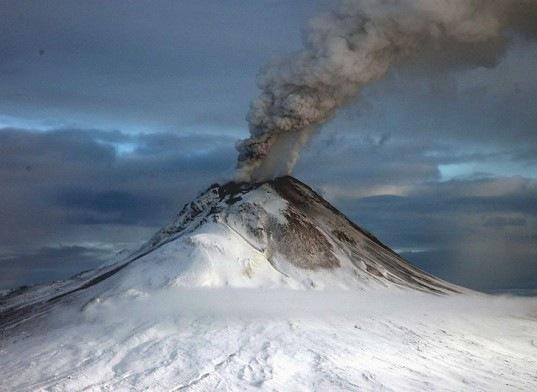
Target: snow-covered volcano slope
279, 233
210, 303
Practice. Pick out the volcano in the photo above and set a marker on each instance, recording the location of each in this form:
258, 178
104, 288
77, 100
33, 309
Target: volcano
267, 286
277, 233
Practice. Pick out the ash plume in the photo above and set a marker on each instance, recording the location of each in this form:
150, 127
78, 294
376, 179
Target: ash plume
356, 44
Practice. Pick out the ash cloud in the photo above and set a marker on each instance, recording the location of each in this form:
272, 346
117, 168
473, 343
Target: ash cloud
356, 44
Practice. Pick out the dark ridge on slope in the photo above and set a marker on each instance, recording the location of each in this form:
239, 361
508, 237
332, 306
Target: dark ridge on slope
290, 189
281, 184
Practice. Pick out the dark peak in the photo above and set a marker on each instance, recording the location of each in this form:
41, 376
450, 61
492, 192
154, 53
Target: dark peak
287, 181
233, 188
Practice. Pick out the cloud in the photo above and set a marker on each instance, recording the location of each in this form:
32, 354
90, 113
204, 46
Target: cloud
89, 207
48, 264
501, 221
62, 181
480, 233
131, 66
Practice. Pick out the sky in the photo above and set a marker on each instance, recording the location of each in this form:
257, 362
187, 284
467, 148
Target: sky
113, 115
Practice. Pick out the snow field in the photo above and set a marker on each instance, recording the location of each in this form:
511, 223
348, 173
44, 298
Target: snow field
286, 340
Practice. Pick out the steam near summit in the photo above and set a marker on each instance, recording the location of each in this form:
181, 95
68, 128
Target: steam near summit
354, 45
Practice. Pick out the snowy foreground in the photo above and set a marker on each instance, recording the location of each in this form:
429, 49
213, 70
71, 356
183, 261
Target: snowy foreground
287, 340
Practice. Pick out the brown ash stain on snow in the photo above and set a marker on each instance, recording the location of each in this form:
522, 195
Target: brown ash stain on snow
365, 250
303, 244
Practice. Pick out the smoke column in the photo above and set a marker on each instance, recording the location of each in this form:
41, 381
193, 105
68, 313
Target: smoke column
350, 47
